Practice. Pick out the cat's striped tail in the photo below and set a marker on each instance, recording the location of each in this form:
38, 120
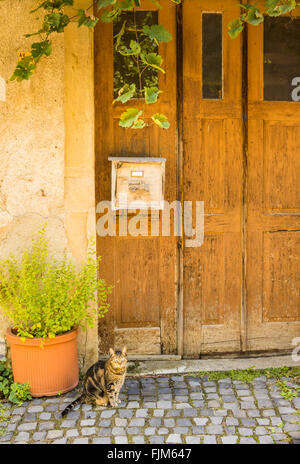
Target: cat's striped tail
72, 405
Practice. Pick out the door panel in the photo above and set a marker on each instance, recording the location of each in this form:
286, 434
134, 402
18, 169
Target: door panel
273, 220
142, 269
212, 172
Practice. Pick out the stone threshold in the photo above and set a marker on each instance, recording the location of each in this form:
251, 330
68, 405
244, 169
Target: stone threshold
184, 366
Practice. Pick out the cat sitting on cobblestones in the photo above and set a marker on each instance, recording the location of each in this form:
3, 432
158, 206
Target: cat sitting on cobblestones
103, 382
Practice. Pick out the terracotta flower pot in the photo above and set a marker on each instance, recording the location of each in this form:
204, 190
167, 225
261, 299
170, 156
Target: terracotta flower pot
49, 369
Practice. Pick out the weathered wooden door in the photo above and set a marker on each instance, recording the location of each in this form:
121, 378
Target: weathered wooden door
212, 172
273, 187
143, 268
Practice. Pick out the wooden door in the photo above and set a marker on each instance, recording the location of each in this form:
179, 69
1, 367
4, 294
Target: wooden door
273, 207
142, 269
212, 172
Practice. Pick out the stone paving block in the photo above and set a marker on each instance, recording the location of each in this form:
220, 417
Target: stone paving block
285, 410
163, 431
108, 413
216, 420
191, 440
45, 416
137, 422
60, 441
52, 434
214, 430
245, 431
101, 441
248, 422
181, 430
149, 431
118, 431
173, 413
27, 426
164, 404
279, 436
120, 440
125, 413
68, 424
169, 422
35, 409
263, 421
157, 440
261, 431
229, 440
253, 413
247, 441
107, 422
209, 440
81, 441
105, 431
266, 440
144, 412
72, 433
268, 412
138, 439
22, 436
88, 430
174, 438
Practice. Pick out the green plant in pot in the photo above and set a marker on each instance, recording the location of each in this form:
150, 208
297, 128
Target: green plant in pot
47, 301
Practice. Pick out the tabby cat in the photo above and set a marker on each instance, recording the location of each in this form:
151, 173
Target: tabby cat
103, 381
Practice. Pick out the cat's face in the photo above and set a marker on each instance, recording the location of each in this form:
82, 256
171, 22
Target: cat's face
118, 359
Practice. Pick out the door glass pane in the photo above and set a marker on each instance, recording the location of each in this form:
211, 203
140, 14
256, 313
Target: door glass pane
125, 67
281, 59
212, 56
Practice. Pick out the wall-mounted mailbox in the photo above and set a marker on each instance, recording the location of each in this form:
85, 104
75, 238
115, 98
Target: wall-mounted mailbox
137, 183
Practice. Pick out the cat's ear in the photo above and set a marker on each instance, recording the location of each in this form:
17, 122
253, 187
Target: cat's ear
111, 351
124, 351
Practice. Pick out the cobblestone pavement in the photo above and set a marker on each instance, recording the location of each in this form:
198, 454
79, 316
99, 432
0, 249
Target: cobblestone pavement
169, 409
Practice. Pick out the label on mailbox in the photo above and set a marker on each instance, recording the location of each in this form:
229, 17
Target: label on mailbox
137, 173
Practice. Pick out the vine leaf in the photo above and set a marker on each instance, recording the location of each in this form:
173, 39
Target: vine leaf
129, 117
24, 69
254, 16
134, 49
157, 32
125, 93
86, 18
235, 27
49, 5
38, 49
119, 36
151, 94
104, 3
161, 120
138, 124
126, 5
154, 60
273, 9
108, 16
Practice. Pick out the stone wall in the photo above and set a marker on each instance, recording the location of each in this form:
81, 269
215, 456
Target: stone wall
46, 144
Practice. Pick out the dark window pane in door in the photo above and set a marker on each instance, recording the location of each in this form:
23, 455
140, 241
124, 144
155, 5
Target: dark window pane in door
125, 67
212, 56
281, 58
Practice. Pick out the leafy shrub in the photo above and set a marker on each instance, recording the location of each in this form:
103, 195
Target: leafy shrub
19, 392
44, 298
13, 391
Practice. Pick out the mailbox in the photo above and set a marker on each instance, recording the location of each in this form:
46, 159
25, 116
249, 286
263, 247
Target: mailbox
137, 183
